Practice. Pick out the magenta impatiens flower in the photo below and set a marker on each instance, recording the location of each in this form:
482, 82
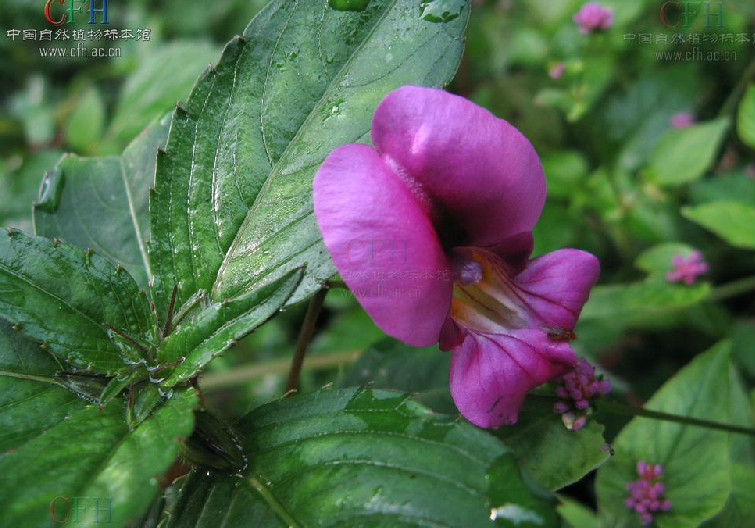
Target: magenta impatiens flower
431, 230
687, 269
592, 17
682, 120
647, 492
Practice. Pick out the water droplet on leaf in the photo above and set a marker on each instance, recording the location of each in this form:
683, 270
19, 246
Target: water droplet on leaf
50, 191
515, 514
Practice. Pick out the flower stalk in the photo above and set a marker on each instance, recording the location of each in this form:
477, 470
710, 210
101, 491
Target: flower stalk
305, 335
632, 410
635, 410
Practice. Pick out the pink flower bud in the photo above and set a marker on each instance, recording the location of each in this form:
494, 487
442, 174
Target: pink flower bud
646, 494
557, 70
682, 120
687, 269
593, 17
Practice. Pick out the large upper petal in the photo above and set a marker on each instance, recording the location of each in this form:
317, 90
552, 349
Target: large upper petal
481, 174
492, 373
383, 244
556, 285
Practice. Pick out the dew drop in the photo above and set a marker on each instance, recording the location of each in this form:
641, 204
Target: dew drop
515, 514
50, 190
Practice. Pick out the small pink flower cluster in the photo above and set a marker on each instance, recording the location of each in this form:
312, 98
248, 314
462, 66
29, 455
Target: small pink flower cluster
687, 269
647, 492
592, 16
576, 388
682, 120
556, 71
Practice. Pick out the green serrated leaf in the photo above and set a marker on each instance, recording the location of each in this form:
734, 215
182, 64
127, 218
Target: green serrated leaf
30, 407
695, 459
554, 455
746, 117
68, 298
360, 458
103, 203
683, 155
232, 206
173, 68
31, 399
21, 356
220, 325
94, 456
732, 221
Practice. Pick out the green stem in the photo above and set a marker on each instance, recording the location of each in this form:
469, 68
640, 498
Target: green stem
631, 410
634, 410
305, 334
733, 289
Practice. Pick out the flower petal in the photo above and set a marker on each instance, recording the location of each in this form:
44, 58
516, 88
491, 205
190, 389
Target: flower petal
492, 373
556, 285
482, 171
383, 244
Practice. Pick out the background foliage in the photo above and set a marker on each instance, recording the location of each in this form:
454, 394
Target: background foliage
79, 137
